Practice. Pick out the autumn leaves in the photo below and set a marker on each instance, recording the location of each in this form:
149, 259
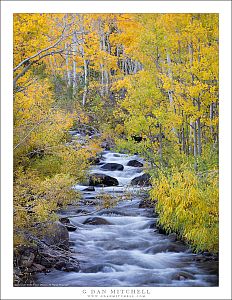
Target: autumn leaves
151, 76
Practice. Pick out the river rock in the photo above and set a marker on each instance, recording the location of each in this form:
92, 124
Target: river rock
66, 266
176, 247
107, 144
112, 212
153, 225
143, 180
56, 234
71, 227
102, 180
94, 160
37, 268
182, 276
99, 268
112, 167
68, 224
161, 247
146, 203
89, 189
134, 163
81, 211
96, 221
172, 237
27, 259
64, 220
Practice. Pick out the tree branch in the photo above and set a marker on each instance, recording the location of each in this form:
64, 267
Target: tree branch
41, 51
33, 62
32, 129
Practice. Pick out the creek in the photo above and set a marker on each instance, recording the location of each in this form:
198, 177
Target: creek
126, 249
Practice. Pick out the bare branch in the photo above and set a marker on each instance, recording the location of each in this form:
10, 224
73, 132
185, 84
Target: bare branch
41, 51
33, 128
33, 62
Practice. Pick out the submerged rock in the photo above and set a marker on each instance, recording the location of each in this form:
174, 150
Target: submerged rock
172, 237
112, 167
64, 220
96, 221
182, 275
89, 189
102, 180
71, 227
143, 180
99, 268
134, 163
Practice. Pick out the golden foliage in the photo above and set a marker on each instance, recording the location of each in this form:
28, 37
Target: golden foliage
187, 203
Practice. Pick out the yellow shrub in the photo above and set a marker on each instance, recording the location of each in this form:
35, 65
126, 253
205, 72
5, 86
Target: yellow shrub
188, 204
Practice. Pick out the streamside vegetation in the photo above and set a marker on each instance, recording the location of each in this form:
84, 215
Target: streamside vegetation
142, 83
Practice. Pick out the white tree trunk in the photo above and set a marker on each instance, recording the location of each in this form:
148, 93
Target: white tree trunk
74, 63
67, 66
85, 82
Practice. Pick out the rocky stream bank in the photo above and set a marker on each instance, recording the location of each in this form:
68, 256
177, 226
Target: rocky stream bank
111, 238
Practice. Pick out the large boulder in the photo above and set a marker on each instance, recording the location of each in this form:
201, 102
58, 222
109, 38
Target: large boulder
56, 234
102, 180
112, 167
96, 221
134, 163
142, 180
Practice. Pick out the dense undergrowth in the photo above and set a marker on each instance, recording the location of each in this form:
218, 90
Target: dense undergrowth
154, 93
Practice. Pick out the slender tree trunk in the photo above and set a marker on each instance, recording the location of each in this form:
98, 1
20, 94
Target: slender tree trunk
211, 117
102, 47
67, 66
74, 63
161, 146
195, 144
195, 123
187, 139
199, 108
106, 76
170, 77
191, 147
199, 136
183, 140
85, 82
102, 80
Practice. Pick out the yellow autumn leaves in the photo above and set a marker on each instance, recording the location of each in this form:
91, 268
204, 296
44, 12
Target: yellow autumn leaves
188, 204
172, 105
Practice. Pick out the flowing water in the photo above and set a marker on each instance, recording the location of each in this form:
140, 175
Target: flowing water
128, 251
